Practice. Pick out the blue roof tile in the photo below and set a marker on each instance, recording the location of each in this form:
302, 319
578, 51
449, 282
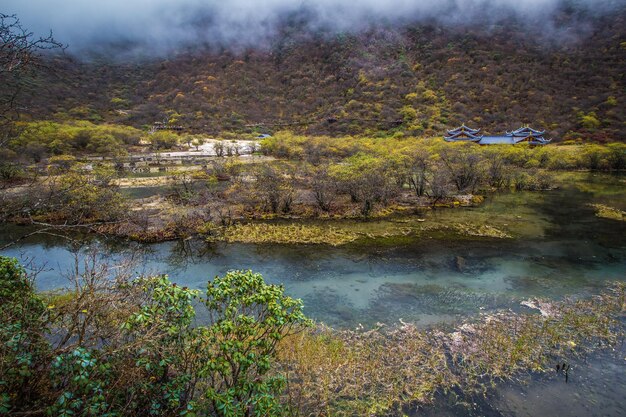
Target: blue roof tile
497, 140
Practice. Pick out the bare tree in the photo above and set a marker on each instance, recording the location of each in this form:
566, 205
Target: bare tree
236, 148
418, 165
20, 58
464, 167
218, 148
439, 185
497, 171
324, 187
275, 189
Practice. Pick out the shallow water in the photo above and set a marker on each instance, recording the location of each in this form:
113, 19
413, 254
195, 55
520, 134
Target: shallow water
594, 387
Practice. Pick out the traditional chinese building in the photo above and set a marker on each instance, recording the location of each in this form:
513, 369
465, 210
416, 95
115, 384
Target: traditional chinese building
463, 134
522, 135
530, 135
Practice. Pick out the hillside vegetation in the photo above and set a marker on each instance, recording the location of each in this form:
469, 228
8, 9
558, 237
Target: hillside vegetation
413, 80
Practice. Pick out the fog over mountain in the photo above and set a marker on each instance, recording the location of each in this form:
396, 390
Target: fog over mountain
160, 26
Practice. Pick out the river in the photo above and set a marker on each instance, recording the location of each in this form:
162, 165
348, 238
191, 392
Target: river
558, 247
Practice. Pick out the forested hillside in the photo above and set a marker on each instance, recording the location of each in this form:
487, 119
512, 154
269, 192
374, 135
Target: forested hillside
566, 76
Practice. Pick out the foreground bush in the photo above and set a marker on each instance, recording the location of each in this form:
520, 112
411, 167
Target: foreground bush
23, 345
130, 347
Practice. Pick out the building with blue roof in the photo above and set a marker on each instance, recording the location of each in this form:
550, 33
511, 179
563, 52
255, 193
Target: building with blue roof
524, 134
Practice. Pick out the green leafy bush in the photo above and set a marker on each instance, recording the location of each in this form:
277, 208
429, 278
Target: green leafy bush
24, 349
131, 347
249, 318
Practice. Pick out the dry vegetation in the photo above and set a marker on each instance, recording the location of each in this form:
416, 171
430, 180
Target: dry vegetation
288, 233
607, 212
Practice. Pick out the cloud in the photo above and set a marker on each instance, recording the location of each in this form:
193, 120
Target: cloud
166, 25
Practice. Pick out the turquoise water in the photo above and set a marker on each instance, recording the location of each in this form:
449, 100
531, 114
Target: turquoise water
558, 247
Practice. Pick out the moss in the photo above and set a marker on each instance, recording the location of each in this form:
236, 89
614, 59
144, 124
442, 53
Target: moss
607, 212
396, 230
286, 234
483, 230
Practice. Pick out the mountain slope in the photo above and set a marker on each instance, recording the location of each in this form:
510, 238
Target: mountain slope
418, 80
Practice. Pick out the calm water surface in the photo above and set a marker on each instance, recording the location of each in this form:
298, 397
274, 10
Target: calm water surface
558, 247
596, 387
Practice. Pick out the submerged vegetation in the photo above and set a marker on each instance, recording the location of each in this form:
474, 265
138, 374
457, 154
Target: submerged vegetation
137, 346
336, 232
388, 371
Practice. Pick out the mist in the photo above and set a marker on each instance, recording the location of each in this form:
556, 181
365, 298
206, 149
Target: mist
155, 27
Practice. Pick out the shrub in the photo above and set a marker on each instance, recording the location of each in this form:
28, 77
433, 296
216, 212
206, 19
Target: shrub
130, 347
590, 121
23, 346
249, 318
